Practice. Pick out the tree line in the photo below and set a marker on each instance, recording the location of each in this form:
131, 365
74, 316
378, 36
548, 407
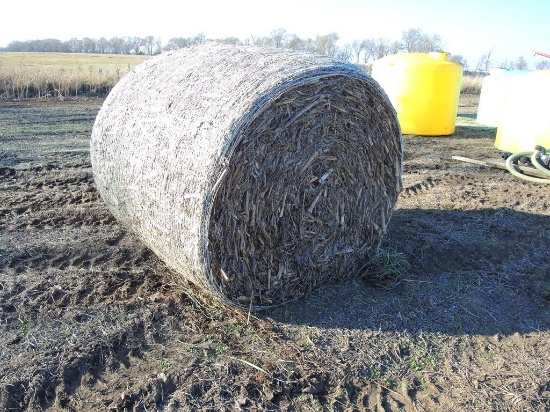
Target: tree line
116, 45
361, 51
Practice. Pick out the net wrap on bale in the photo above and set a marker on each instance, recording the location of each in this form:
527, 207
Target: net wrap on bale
258, 174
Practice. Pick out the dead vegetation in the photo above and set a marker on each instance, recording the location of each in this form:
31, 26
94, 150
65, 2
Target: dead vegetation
280, 181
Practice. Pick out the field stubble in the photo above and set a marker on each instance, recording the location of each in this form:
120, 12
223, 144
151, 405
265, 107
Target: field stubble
61, 75
91, 320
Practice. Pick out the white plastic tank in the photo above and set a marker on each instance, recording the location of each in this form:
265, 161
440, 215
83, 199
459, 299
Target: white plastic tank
524, 121
492, 95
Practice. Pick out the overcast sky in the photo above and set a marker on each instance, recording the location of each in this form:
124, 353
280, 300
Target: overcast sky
468, 27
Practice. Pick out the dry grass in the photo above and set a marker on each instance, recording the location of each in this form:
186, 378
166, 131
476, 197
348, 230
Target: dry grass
471, 84
29, 75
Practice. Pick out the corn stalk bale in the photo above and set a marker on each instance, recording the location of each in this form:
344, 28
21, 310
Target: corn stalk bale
258, 174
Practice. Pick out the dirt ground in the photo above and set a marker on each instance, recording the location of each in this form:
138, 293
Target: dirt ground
92, 321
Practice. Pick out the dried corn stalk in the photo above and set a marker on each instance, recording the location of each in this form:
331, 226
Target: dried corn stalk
257, 174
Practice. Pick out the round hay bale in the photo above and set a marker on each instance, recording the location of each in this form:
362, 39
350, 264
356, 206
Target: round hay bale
258, 174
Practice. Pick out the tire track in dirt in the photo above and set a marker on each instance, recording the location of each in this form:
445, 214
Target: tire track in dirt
90, 373
22, 181
72, 216
88, 365
47, 201
473, 192
92, 253
421, 187
65, 265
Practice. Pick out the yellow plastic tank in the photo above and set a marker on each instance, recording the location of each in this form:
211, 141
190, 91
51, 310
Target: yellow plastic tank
424, 89
525, 113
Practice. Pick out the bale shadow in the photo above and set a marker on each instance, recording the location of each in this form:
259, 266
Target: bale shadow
479, 272
475, 132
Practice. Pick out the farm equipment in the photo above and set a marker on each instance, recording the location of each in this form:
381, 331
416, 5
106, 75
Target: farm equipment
520, 163
537, 53
539, 158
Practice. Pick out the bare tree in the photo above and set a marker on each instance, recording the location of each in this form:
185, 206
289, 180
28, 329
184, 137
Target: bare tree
117, 45
326, 44
543, 65
430, 43
345, 52
278, 38
230, 40
197, 39
520, 63
136, 43
458, 58
173, 44
382, 47
127, 44
507, 64
412, 40
369, 46
75, 45
357, 47
180, 42
295, 43
103, 46
484, 63
395, 47
310, 45
149, 44
88, 45
158, 46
